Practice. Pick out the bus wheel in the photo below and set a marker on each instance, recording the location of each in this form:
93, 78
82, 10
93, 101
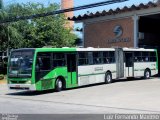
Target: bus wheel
147, 74
108, 78
59, 85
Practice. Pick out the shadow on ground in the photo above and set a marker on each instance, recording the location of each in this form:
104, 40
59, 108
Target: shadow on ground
30, 93
34, 93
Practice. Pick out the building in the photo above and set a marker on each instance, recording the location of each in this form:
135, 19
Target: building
135, 26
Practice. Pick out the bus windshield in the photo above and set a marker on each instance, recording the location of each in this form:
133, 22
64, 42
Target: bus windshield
20, 63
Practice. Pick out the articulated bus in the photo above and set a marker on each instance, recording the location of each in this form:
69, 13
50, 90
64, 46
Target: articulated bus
61, 68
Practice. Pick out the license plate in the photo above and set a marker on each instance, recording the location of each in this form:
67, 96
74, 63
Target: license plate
17, 86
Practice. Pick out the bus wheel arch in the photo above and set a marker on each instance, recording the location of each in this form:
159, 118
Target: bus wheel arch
108, 77
60, 84
147, 73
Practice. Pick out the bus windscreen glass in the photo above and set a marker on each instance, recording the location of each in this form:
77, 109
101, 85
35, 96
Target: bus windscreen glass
21, 63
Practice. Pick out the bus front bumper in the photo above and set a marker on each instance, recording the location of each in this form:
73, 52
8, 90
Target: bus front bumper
22, 86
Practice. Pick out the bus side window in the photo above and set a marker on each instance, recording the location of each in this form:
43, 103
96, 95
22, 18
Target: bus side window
59, 60
152, 59
106, 60
138, 56
106, 57
152, 56
111, 57
90, 58
82, 58
146, 59
135, 59
38, 63
145, 56
43, 61
97, 57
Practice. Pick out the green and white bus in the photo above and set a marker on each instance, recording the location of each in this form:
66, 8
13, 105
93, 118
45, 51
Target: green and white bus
61, 68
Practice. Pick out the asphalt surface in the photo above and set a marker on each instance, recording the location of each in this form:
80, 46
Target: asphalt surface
125, 96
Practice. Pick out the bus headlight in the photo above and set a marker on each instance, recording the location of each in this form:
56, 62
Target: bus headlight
28, 82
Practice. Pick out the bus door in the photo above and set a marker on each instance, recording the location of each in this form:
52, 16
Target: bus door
119, 63
72, 69
129, 64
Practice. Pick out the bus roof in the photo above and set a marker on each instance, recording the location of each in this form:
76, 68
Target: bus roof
55, 49
95, 49
66, 49
21, 49
137, 49
74, 49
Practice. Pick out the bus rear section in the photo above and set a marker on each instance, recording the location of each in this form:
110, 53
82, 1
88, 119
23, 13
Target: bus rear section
20, 69
98, 65
136, 62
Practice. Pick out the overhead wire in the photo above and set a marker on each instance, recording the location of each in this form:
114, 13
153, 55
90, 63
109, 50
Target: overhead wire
17, 18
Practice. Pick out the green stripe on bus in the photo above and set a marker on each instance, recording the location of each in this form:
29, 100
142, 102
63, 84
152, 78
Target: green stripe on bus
93, 74
143, 69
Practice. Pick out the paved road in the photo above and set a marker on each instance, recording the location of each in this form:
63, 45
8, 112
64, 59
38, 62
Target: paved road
138, 96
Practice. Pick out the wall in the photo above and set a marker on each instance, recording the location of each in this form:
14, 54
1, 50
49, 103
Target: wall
100, 34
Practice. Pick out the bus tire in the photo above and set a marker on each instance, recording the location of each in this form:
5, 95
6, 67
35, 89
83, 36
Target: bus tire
108, 78
147, 74
59, 85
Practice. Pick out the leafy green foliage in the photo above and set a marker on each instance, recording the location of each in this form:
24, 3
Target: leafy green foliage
44, 31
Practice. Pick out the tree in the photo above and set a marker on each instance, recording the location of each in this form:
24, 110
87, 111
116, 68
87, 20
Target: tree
1, 4
6, 32
45, 31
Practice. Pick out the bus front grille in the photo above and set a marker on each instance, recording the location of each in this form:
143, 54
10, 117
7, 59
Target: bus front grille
16, 82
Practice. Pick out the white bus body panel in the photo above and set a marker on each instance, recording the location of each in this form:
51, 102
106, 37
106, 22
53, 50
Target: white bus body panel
94, 73
139, 68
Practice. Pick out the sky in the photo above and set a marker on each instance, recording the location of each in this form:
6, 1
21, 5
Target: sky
84, 2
